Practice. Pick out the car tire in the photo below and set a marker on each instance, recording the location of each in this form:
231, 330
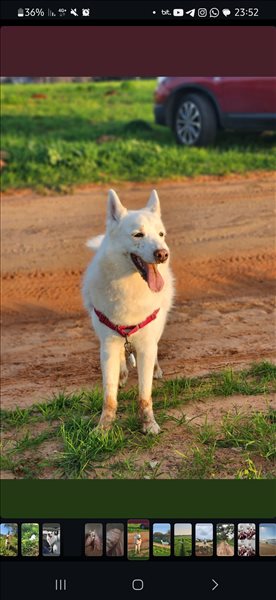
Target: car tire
194, 121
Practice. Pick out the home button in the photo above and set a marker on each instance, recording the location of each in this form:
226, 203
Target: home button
137, 585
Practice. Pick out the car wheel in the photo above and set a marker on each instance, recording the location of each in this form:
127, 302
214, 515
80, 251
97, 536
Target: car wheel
195, 122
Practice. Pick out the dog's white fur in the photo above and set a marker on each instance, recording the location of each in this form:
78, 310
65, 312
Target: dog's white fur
137, 543
113, 285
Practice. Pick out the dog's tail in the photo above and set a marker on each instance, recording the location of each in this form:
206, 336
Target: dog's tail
95, 242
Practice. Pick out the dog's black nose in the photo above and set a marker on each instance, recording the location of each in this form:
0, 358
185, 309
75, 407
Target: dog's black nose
161, 255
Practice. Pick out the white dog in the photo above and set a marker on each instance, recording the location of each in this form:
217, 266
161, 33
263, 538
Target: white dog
137, 543
128, 291
53, 539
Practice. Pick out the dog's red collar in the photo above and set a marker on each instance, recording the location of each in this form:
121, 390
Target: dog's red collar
124, 330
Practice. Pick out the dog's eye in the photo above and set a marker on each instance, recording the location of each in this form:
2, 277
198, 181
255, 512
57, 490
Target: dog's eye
138, 235
161, 234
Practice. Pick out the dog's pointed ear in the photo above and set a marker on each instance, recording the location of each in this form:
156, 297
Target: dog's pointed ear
154, 203
115, 209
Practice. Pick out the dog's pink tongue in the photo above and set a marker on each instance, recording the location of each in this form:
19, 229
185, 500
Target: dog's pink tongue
154, 279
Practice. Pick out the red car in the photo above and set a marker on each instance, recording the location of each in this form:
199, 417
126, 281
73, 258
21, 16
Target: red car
195, 108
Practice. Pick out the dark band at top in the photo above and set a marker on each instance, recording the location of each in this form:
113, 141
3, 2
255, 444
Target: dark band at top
117, 50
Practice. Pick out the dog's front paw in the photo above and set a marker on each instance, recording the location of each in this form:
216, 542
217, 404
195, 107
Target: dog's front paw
151, 427
102, 427
105, 423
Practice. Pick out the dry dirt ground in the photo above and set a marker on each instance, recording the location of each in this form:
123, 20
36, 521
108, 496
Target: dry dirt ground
224, 549
204, 549
267, 549
222, 238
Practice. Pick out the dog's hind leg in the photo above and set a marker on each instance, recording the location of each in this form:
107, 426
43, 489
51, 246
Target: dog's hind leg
157, 372
123, 369
145, 362
110, 363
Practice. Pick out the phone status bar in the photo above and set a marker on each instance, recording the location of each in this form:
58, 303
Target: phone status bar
199, 12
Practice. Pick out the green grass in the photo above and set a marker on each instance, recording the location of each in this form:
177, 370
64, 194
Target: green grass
161, 551
27, 441
105, 132
200, 463
82, 451
252, 434
72, 404
144, 555
12, 550
182, 545
255, 432
131, 527
29, 547
84, 446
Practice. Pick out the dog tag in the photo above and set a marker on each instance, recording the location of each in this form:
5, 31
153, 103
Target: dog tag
131, 361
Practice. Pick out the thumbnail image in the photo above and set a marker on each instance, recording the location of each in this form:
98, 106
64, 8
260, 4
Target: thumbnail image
204, 539
8, 539
246, 539
183, 539
30, 539
115, 543
161, 542
225, 539
267, 539
51, 539
138, 539
93, 539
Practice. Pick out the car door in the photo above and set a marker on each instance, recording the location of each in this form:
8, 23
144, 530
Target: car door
247, 95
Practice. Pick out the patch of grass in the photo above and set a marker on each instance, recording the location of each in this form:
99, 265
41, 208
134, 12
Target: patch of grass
85, 446
133, 556
182, 545
263, 369
86, 451
261, 379
252, 432
28, 442
15, 418
199, 464
207, 433
6, 462
123, 469
161, 551
245, 382
13, 548
80, 403
101, 132
249, 471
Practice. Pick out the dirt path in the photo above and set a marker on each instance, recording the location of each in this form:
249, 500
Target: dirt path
224, 549
222, 237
